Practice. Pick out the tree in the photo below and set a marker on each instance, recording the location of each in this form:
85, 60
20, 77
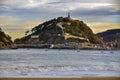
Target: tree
0, 29
26, 33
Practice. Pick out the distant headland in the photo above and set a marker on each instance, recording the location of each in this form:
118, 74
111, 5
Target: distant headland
60, 30
5, 41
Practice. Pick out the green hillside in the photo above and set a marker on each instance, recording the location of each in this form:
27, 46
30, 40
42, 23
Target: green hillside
110, 35
5, 40
60, 30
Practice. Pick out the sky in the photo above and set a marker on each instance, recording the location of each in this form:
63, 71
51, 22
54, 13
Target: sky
17, 16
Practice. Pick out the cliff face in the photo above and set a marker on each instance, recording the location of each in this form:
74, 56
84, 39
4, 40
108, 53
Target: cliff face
110, 35
60, 30
5, 40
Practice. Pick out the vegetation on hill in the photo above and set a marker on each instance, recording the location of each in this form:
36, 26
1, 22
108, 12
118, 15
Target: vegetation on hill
110, 35
54, 31
5, 40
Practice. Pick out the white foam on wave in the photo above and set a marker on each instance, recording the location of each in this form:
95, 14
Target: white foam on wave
65, 63
60, 68
69, 74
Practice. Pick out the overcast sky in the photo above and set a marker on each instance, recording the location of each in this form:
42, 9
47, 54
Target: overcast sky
17, 16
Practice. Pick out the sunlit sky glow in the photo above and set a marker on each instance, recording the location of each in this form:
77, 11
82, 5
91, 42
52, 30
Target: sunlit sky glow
17, 16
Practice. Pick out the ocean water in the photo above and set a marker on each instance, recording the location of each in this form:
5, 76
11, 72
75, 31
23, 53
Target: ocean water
59, 63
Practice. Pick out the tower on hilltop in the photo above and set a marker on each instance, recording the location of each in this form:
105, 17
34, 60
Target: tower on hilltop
68, 14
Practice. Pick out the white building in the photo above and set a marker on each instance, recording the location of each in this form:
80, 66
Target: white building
34, 36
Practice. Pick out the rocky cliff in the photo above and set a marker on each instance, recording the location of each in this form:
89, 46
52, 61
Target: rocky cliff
5, 40
60, 30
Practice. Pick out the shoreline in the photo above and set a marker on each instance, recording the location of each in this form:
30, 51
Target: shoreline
88, 78
59, 48
62, 46
72, 46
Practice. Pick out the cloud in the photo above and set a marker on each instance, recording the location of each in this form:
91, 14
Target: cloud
26, 4
86, 1
16, 29
7, 21
58, 3
97, 11
43, 7
13, 23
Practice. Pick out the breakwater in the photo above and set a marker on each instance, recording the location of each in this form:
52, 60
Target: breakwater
66, 46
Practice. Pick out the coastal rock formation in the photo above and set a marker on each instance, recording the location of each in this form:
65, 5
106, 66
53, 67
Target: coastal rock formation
5, 40
60, 30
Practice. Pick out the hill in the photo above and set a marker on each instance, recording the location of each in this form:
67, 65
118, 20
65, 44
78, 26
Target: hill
60, 30
110, 35
5, 40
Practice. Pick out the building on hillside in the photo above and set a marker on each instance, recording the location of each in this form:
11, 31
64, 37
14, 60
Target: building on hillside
34, 39
34, 36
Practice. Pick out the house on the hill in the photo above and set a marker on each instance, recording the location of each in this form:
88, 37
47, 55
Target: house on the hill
34, 39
